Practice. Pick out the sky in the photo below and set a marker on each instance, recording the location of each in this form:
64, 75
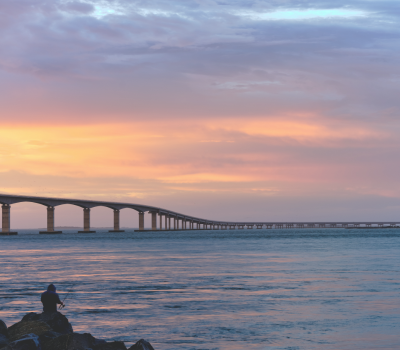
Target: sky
226, 110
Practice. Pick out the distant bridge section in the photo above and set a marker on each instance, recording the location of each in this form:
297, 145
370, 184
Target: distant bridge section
161, 219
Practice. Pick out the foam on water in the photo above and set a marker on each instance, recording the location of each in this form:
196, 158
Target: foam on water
248, 289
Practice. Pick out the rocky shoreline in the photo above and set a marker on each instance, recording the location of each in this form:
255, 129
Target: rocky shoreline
52, 331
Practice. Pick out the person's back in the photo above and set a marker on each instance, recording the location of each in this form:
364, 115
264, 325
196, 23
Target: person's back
50, 299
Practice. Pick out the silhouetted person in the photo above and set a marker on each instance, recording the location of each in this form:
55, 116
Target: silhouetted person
50, 299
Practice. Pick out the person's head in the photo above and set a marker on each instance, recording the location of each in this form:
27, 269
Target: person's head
51, 287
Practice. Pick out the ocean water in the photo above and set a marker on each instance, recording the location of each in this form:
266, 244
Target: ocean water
240, 289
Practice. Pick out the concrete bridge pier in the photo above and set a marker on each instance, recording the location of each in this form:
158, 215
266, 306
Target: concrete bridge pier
50, 222
5, 223
153, 220
160, 215
116, 222
141, 221
86, 221
167, 221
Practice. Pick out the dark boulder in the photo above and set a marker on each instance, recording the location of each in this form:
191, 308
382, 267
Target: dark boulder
56, 320
28, 342
3, 341
74, 341
3, 329
22, 328
3, 334
47, 336
115, 345
141, 345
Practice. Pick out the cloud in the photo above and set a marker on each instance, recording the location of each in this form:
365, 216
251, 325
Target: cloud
261, 98
183, 54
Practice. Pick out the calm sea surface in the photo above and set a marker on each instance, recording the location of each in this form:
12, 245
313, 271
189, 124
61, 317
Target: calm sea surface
243, 289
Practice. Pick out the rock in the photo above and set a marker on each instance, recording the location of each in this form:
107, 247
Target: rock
28, 342
3, 341
3, 334
99, 341
74, 341
141, 345
46, 337
22, 328
115, 345
3, 329
56, 320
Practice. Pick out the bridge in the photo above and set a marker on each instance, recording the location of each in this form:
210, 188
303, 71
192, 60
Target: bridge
161, 219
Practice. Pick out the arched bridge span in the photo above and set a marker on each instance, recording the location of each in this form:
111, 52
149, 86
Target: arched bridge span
161, 219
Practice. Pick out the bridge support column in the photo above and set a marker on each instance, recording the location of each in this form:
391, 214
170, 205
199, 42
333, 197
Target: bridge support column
154, 220
166, 222
86, 221
116, 222
50, 219
5, 224
160, 221
141, 221
50, 222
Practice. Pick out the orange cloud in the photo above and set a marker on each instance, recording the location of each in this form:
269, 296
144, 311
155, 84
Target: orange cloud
184, 152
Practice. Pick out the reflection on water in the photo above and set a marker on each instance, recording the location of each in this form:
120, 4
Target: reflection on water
250, 289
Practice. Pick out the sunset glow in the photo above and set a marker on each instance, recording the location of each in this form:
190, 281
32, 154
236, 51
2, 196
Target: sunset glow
190, 102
